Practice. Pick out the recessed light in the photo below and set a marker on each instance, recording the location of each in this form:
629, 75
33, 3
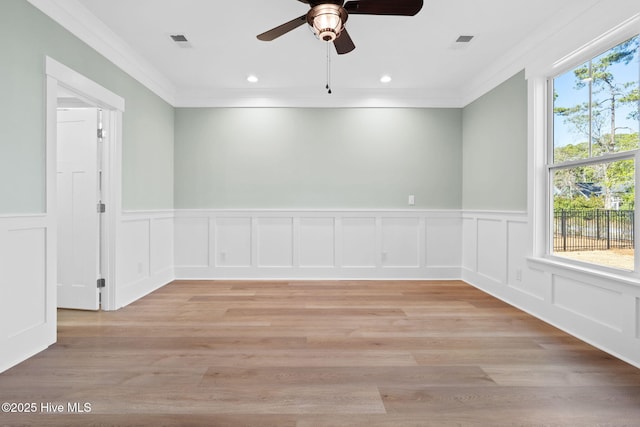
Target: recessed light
385, 79
252, 79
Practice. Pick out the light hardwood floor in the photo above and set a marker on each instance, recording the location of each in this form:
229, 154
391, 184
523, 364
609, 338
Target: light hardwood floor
348, 353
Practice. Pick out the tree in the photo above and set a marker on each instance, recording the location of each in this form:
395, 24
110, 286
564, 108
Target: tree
597, 121
597, 73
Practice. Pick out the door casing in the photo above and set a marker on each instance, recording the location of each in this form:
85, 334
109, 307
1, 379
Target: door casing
61, 76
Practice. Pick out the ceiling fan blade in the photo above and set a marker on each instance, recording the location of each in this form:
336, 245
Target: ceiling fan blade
384, 7
280, 30
343, 43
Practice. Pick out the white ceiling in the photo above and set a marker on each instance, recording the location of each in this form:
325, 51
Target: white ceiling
419, 53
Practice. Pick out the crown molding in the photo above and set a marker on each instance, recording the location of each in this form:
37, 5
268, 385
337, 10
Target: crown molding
340, 98
518, 57
562, 34
74, 17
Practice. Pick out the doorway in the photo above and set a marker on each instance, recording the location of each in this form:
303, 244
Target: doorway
88, 279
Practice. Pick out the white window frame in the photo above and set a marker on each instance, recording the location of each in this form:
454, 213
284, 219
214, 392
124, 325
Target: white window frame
605, 158
540, 165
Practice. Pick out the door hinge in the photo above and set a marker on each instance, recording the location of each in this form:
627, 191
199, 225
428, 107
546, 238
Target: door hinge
102, 208
102, 283
101, 134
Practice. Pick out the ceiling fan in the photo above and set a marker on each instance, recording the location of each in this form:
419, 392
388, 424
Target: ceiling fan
327, 18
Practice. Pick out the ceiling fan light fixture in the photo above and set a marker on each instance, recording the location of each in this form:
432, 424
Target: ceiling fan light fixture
327, 21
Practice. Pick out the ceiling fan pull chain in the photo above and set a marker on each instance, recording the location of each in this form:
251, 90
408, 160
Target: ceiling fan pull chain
328, 87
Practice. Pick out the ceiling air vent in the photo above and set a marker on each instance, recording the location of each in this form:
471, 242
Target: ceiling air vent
180, 40
461, 43
464, 39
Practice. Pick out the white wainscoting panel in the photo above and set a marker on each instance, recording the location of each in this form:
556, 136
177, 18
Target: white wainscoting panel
145, 254
600, 308
469, 244
359, 243
492, 249
519, 276
192, 241
26, 265
401, 242
637, 322
594, 303
443, 241
134, 255
27, 287
232, 242
275, 242
317, 244
161, 239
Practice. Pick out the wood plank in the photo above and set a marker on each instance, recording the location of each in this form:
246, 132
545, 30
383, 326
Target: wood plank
321, 353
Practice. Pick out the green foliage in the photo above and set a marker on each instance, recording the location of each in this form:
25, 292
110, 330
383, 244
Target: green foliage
577, 203
628, 200
569, 152
632, 97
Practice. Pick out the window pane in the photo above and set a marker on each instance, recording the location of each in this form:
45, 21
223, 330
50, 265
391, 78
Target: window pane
594, 213
614, 104
596, 105
570, 117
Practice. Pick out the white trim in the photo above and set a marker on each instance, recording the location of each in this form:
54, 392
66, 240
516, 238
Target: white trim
586, 273
25, 266
566, 35
602, 309
594, 304
313, 212
561, 33
614, 36
73, 16
605, 158
540, 149
91, 91
536, 166
576, 43
61, 75
344, 98
112, 196
145, 254
517, 58
358, 244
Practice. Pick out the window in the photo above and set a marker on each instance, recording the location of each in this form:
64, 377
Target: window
594, 150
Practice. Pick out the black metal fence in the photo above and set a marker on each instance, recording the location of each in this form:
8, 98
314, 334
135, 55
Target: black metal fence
593, 229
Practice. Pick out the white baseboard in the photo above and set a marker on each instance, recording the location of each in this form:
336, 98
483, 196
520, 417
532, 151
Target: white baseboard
597, 310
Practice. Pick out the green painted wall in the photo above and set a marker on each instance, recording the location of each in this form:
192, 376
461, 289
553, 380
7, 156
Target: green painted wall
494, 154
29, 36
317, 158
471, 158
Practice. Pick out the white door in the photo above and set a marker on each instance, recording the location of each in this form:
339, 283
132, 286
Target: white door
78, 217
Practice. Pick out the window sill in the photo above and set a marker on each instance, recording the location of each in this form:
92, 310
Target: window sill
582, 272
